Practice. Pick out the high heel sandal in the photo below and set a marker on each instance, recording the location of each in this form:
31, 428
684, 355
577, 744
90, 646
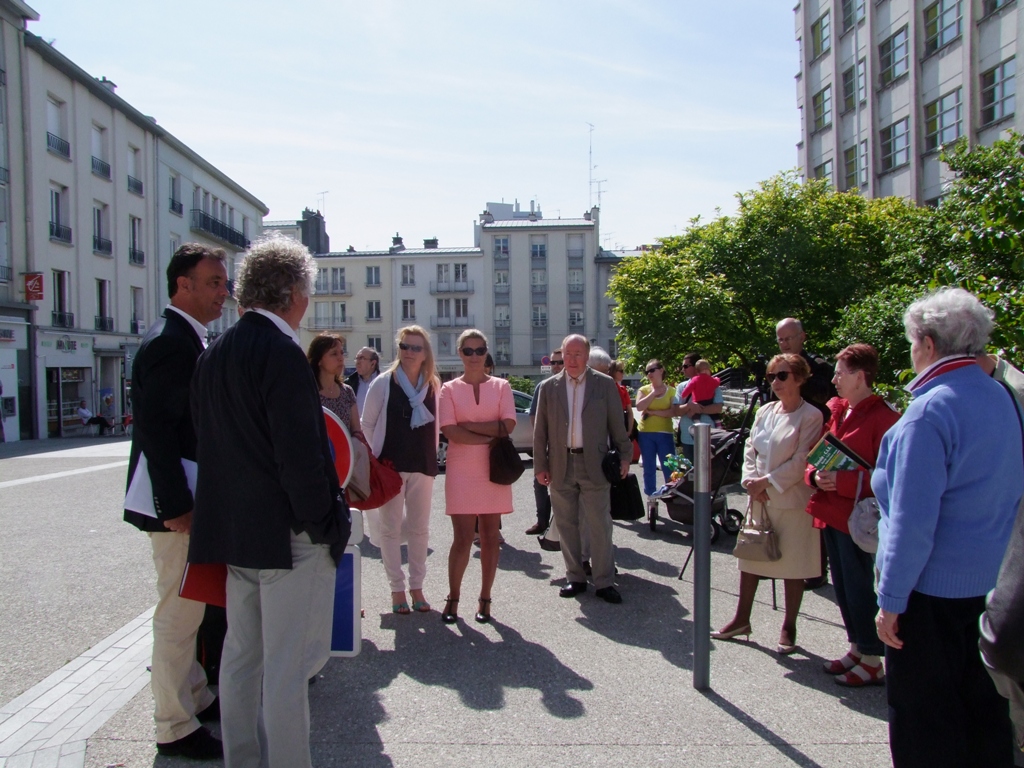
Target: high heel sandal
481, 617
732, 633
448, 615
784, 649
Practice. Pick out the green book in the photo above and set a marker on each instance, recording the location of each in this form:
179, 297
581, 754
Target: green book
831, 454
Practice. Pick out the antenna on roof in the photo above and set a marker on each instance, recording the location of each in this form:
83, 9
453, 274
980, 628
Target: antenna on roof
322, 196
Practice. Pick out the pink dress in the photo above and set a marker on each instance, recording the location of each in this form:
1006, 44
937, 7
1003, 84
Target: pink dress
467, 486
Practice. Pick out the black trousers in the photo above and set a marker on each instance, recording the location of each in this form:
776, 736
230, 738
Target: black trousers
543, 499
944, 710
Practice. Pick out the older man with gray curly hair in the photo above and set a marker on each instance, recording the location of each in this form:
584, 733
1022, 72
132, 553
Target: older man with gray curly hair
269, 505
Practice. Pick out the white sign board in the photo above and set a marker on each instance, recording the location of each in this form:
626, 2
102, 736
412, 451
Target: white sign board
545, 369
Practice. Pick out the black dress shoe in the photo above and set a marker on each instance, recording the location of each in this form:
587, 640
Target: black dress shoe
533, 530
609, 595
211, 714
817, 583
548, 545
198, 745
572, 589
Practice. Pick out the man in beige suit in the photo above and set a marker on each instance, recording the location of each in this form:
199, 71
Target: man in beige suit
579, 415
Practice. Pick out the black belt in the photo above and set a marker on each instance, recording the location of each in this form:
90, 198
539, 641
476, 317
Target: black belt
574, 450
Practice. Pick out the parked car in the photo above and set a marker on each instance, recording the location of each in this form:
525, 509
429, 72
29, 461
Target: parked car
522, 435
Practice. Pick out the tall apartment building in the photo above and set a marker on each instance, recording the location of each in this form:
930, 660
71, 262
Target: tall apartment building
98, 197
883, 85
526, 282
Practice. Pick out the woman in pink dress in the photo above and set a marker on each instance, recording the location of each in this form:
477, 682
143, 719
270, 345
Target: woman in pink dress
472, 410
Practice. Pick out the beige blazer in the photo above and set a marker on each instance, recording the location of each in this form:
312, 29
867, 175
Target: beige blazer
602, 420
791, 440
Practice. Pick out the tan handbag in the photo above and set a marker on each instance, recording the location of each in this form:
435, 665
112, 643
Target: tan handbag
359, 482
757, 540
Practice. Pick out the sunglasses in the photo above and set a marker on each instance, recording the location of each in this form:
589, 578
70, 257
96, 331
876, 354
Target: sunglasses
781, 376
558, 362
470, 351
406, 347
653, 368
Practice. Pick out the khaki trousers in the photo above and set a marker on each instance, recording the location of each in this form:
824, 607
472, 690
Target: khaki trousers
178, 680
582, 509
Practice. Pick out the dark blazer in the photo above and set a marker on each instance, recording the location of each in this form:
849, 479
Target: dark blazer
161, 417
265, 466
603, 426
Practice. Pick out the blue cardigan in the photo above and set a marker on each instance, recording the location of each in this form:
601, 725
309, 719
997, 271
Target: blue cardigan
949, 478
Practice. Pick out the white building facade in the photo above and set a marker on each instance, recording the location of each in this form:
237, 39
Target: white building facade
883, 85
101, 197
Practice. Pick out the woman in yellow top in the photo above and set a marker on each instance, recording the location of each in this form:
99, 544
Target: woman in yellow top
654, 401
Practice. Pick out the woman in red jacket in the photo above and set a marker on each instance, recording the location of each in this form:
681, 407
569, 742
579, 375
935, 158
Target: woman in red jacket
859, 419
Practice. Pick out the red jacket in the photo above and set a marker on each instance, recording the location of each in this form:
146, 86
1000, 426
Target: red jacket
862, 431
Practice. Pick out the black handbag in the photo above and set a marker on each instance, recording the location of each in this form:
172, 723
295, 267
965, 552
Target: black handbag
611, 466
506, 465
627, 503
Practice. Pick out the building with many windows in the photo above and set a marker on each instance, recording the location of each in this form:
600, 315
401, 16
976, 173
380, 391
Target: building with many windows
883, 85
98, 197
527, 282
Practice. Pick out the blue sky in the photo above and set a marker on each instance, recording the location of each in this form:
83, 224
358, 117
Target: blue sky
412, 115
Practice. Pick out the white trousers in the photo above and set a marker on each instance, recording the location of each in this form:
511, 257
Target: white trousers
178, 680
413, 503
279, 635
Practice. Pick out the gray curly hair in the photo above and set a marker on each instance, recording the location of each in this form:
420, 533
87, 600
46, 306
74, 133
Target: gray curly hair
954, 319
273, 271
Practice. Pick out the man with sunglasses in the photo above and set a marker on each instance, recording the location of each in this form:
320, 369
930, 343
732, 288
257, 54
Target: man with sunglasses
691, 412
578, 416
540, 492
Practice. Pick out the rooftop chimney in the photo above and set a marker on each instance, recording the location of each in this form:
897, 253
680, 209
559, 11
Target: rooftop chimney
396, 241
430, 242
110, 85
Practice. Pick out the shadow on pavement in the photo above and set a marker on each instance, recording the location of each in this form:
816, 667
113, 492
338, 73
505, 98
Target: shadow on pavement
528, 563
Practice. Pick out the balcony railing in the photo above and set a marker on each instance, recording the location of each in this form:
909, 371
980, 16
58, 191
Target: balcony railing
102, 245
539, 255
204, 222
5, 175
501, 287
575, 253
6, 273
134, 186
138, 326
540, 322
327, 323
502, 357
101, 168
136, 257
342, 288
500, 254
448, 286
502, 322
451, 322
62, 319
373, 319
575, 287
104, 323
60, 232
177, 206
575, 322
58, 146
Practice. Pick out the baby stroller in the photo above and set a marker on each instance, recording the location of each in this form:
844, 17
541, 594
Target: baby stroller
726, 453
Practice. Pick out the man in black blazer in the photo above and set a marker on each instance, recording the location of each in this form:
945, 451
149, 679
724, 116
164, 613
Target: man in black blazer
162, 432
268, 504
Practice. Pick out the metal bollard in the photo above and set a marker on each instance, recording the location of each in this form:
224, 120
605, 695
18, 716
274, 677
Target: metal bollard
702, 557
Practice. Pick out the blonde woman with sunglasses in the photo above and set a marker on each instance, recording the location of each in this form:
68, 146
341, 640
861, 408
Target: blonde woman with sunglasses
473, 409
400, 421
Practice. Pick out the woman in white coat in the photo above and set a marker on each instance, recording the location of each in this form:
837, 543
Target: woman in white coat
773, 471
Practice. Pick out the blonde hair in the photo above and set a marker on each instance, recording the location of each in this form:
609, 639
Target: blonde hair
703, 366
471, 333
429, 369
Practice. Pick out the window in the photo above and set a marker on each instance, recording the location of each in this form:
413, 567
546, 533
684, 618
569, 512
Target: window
576, 247
540, 315
138, 308
176, 205
855, 167
61, 284
462, 309
538, 247
539, 278
462, 273
824, 171
855, 86
501, 247
444, 308
338, 279
895, 144
135, 172
136, 253
575, 280
100, 166
373, 342
322, 314
894, 57
863, 168
59, 231
942, 120
408, 309
104, 319
998, 92
501, 277
100, 229
991, 6
340, 313
373, 277
373, 310
501, 353
56, 128
175, 244
941, 24
853, 12
408, 274
821, 36
613, 348
822, 105
502, 319
444, 276
575, 315
320, 286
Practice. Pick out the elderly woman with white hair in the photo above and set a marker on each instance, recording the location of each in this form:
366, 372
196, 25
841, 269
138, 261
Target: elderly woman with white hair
948, 481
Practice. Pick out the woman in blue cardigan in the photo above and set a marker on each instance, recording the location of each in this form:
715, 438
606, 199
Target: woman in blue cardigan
949, 478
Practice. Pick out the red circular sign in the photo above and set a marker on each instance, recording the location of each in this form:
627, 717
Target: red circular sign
341, 442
